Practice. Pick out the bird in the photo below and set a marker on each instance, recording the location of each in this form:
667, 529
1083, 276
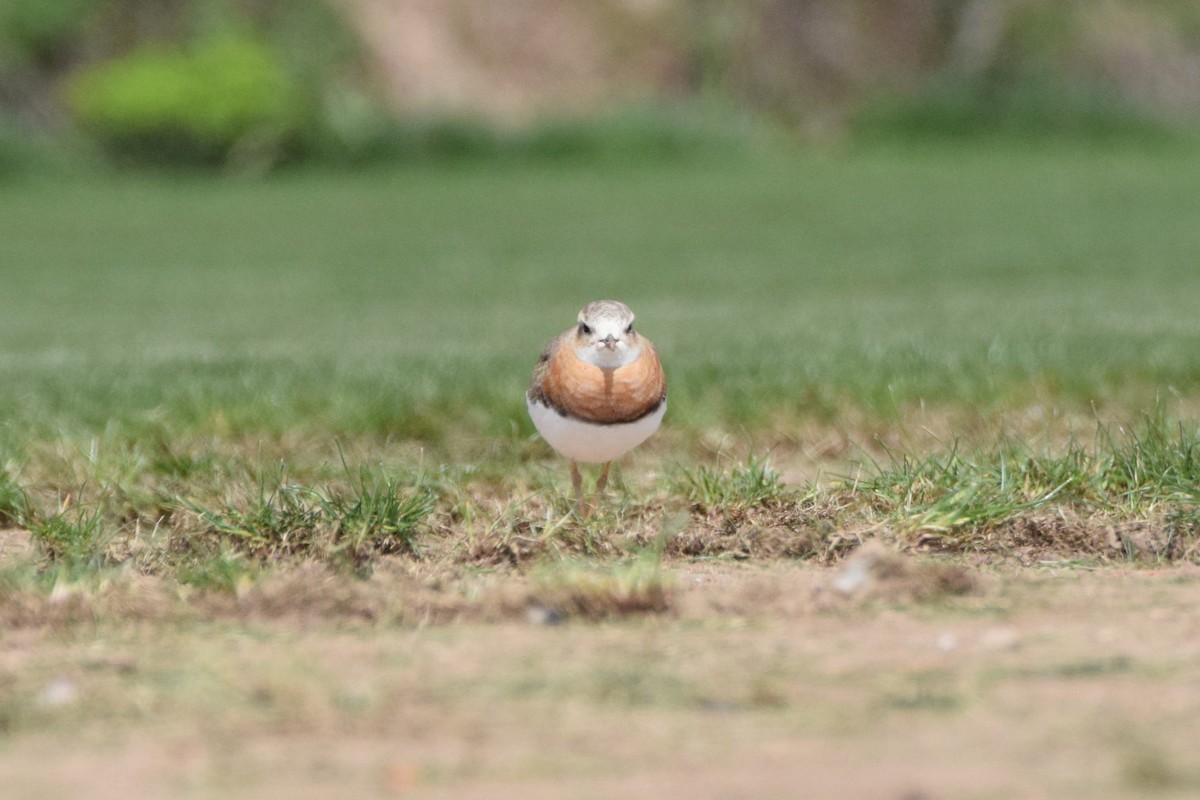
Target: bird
598, 391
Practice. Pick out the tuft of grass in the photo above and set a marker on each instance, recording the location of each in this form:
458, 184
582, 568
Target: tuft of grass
576, 589
374, 517
1126, 471
541, 526
1154, 461
944, 494
14, 502
228, 571
75, 536
748, 485
273, 522
342, 526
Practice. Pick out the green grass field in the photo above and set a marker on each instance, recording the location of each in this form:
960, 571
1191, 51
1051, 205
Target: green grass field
268, 486
415, 301
169, 343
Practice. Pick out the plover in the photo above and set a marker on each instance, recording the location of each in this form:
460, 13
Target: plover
598, 391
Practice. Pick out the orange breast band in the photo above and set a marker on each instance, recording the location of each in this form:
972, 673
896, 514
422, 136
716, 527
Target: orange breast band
605, 396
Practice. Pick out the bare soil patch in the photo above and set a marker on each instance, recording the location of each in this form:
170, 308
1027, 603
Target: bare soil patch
928, 678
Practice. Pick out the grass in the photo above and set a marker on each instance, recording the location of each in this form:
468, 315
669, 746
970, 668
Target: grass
374, 514
1006, 103
574, 589
309, 300
753, 483
1146, 468
207, 378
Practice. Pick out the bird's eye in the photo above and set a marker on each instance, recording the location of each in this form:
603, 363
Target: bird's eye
629, 328
585, 329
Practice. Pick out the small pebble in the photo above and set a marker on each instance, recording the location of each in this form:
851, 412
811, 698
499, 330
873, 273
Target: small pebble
540, 615
852, 577
60, 692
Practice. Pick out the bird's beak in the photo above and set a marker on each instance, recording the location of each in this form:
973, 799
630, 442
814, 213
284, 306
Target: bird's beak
610, 342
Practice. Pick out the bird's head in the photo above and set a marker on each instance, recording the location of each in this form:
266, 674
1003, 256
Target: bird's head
605, 336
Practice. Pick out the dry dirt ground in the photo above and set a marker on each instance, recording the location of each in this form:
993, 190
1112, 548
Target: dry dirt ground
762, 681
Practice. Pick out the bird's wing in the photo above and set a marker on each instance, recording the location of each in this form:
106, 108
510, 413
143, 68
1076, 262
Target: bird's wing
543, 366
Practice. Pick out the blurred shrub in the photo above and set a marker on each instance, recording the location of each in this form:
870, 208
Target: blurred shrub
349, 127
961, 68
32, 30
225, 100
973, 106
352, 129
650, 133
357, 132
1034, 70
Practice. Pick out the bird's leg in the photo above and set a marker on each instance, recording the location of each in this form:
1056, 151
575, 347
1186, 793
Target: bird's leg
602, 481
577, 484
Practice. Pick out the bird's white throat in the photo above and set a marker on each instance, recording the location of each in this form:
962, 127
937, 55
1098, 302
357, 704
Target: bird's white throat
601, 356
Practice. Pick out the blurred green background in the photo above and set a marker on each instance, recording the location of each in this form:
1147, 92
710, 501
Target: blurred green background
251, 85
368, 216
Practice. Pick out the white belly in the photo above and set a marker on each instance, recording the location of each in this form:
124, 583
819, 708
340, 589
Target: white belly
587, 441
